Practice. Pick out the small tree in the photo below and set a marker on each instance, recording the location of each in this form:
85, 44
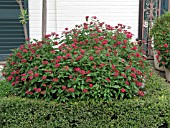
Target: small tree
23, 18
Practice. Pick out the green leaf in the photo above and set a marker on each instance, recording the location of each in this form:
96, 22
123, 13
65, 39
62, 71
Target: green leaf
54, 91
116, 86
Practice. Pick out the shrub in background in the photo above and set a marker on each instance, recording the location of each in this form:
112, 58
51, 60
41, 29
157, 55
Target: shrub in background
93, 61
161, 33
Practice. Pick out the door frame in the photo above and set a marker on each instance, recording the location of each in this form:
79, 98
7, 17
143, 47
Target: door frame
148, 11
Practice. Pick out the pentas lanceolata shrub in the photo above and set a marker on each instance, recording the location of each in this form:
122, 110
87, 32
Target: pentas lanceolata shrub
161, 34
93, 60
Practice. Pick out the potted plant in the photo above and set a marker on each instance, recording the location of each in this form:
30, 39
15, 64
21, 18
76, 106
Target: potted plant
161, 33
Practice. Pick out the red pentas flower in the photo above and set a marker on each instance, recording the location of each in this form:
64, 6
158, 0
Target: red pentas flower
23, 60
126, 82
70, 90
83, 72
52, 51
36, 74
56, 65
134, 48
45, 62
139, 83
116, 74
55, 79
91, 58
85, 26
30, 77
118, 43
137, 54
23, 74
90, 85
43, 92
44, 77
64, 87
35, 68
123, 90
85, 90
27, 92
108, 80
123, 46
23, 79
38, 90
56, 43
13, 83
25, 50
166, 45
129, 36
49, 86
133, 75
141, 93
77, 69
79, 57
104, 42
35, 89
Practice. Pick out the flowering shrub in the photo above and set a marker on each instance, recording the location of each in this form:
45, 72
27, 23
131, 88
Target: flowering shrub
93, 60
161, 34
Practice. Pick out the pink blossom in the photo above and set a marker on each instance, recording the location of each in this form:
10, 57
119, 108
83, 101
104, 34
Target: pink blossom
23, 61
25, 50
23, 74
23, 79
108, 80
118, 43
44, 77
85, 90
141, 93
30, 77
104, 42
45, 62
123, 90
64, 87
36, 75
71, 90
38, 90
124, 46
127, 82
139, 83
91, 58
57, 65
90, 85
134, 48
166, 45
55, 79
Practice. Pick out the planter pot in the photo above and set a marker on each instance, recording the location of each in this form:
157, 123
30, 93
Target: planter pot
156, 64
167, 74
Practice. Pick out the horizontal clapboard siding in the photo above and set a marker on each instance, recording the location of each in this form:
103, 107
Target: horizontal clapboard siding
11, 30
35, 17
71, 12
68, 13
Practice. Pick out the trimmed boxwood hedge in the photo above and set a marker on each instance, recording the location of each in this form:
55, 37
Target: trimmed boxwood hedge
151, 111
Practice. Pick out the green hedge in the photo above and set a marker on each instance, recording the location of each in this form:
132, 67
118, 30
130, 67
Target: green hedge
151, 111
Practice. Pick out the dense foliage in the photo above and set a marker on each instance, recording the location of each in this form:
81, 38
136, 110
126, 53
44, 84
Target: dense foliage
93, 61
151, 111
161, 34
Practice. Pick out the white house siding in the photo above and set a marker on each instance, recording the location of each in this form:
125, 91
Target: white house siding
35, 17
68, 13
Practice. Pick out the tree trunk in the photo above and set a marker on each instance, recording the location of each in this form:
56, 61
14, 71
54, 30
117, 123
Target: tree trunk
44, 18
24, 25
